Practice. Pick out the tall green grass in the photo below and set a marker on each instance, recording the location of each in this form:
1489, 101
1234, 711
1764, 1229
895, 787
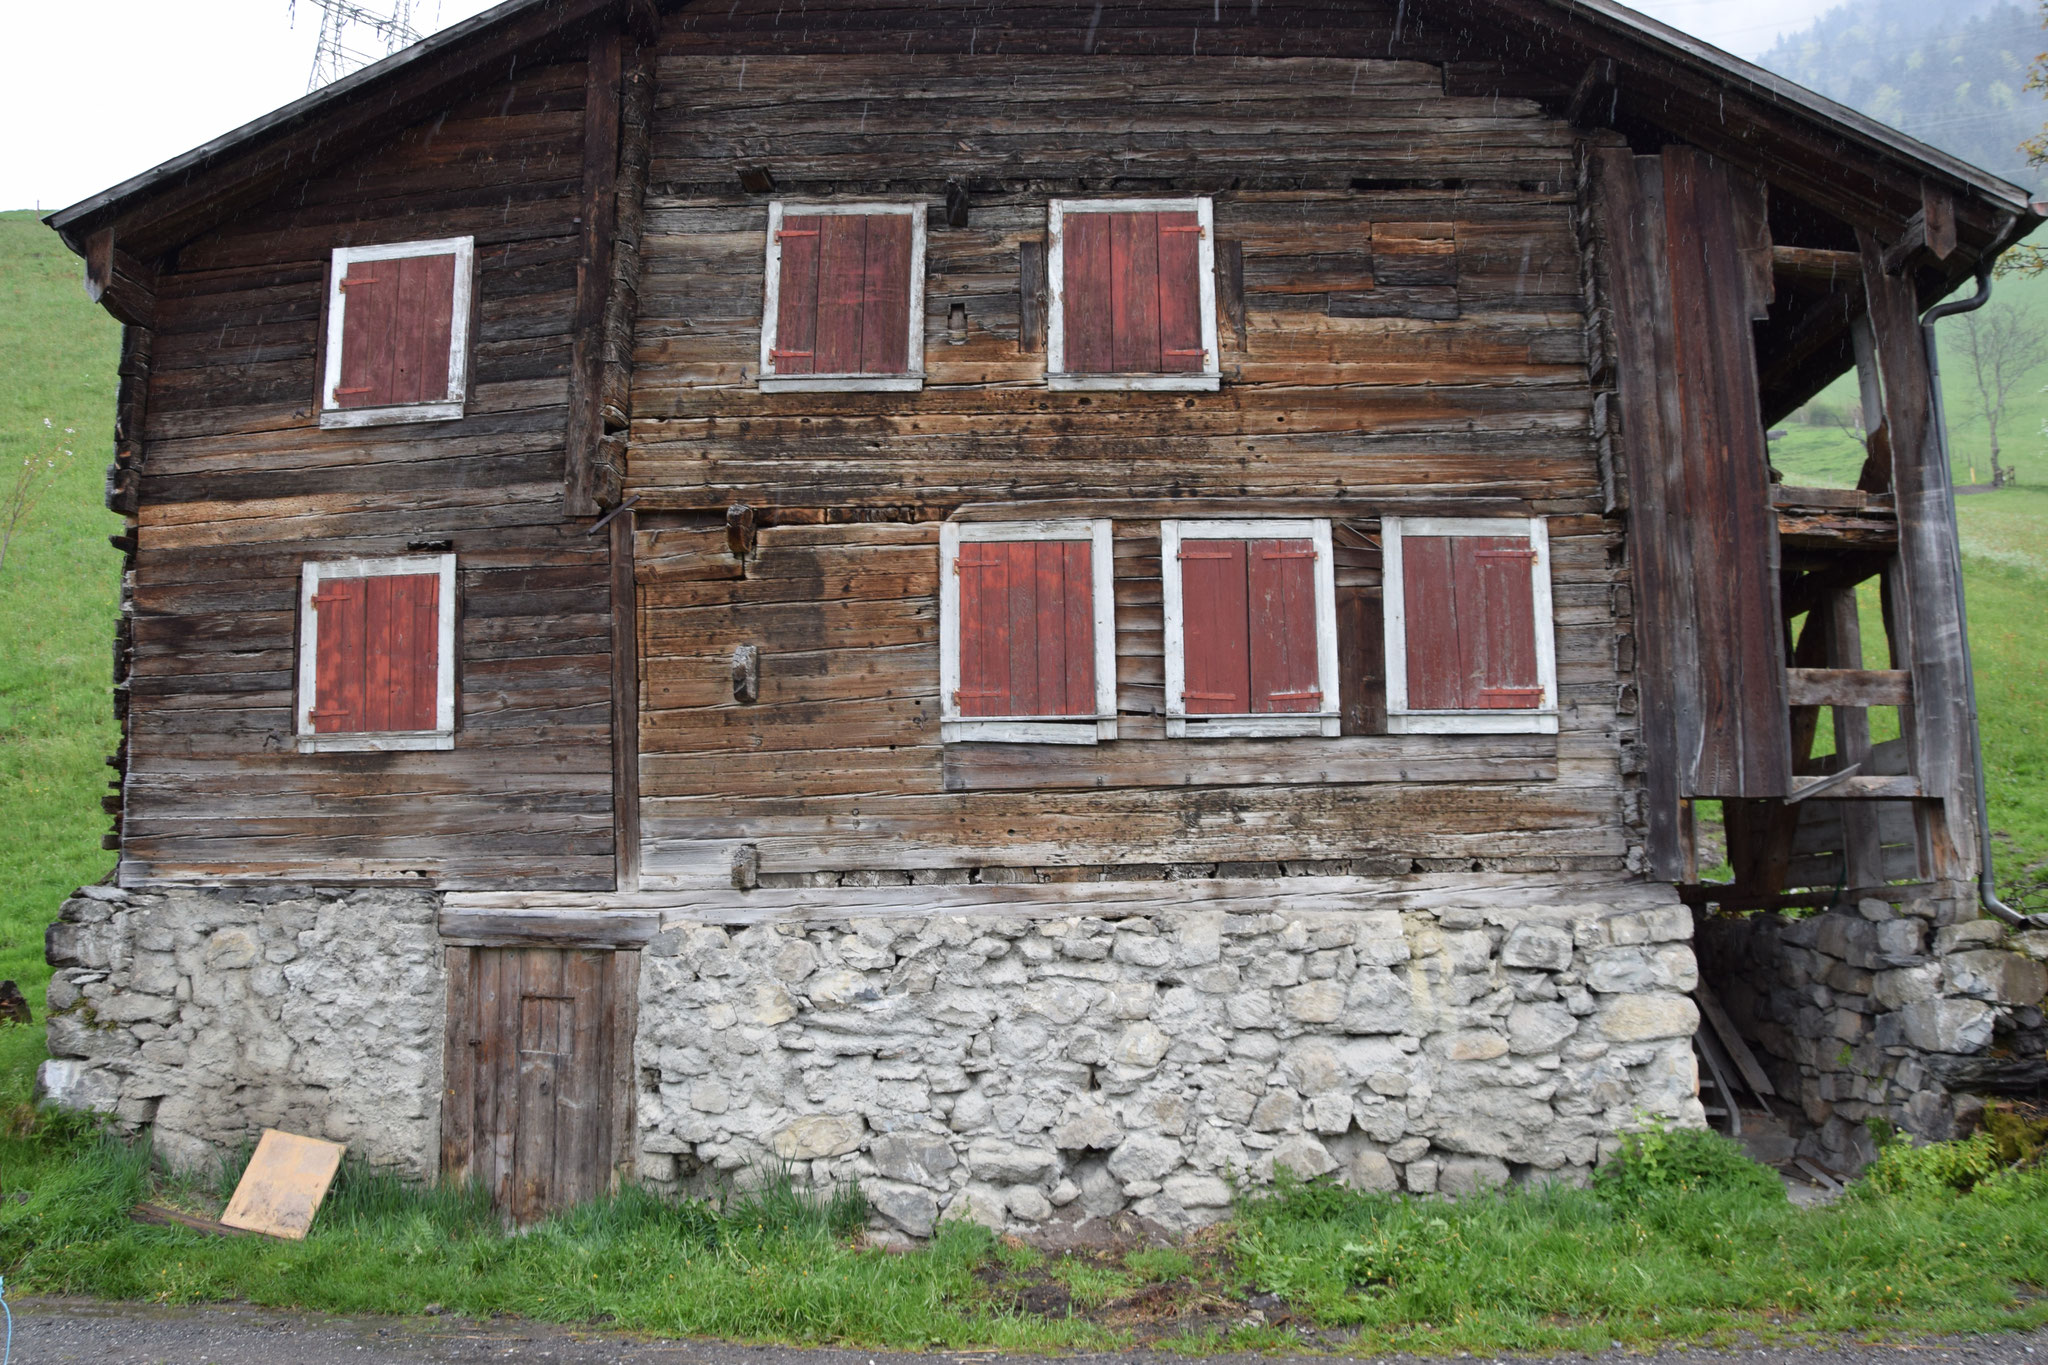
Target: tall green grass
58, 593
1566, 1269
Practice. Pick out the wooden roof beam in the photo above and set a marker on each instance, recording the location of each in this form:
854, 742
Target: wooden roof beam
243, 167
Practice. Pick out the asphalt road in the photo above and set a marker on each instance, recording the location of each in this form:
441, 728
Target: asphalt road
49, 1331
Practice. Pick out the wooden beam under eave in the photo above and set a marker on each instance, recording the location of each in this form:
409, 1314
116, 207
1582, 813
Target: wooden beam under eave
118, 282
217, 189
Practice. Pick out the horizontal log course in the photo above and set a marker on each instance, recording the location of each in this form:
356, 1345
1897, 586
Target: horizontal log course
1848, 687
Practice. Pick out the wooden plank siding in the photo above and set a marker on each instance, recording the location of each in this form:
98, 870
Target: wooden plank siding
241, 486
1413, 338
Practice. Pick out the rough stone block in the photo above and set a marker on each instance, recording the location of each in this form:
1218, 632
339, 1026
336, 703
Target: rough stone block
1988, 974
820, 1135
1464, 1175
1537, 945
1303, 1155
1640, 1018
1539, 1028
913, 1158
1948, 1025
1094, 1127
70, 1083
1145, 1157
1407, 1150
980, 1204
1371, 1171
1971, 933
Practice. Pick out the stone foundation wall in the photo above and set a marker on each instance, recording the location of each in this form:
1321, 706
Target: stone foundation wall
1904, 1013
1030, 1072
212, 1014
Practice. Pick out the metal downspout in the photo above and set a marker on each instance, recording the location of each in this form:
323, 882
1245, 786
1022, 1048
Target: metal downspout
1987, 886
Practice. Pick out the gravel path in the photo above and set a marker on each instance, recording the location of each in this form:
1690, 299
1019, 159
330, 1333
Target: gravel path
49, 1331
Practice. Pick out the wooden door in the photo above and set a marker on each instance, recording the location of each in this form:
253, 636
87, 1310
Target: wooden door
537, 1104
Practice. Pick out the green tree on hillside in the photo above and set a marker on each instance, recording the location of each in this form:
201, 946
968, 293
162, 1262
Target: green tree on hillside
2003, 344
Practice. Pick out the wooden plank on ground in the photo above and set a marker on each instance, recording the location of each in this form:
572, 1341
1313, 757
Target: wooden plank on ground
282, 1188
1753, 1075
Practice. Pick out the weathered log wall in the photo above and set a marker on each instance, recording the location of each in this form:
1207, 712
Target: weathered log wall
240, 486
1413, 340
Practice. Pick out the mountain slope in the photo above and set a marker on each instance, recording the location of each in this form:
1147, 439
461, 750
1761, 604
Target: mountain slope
1952, 73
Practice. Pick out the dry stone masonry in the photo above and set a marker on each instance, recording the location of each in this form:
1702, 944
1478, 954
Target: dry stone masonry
1905, 1013
1030, 1072
211, 1014
1025, 1071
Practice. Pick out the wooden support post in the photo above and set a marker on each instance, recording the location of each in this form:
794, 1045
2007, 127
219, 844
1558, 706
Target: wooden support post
1877, 461
1862, 856
1928, 571
1630, 194
625, 706
593, 274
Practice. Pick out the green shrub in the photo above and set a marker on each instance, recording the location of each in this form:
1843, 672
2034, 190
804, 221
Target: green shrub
1398, 1253
1902, 1168
1660, 1161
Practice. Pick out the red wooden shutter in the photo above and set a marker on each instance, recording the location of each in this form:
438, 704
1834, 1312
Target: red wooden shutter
1470, 607
1429, 607
338, 669
1285, 675
396, 325
796, 311
885, 296
1027, 628
1132, 293
842, 273
379, 654
1497, 621
1216, 671
1085, 294
843, 300
1180, 293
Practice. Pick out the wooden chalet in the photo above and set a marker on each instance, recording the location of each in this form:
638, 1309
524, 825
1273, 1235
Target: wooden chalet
619, 465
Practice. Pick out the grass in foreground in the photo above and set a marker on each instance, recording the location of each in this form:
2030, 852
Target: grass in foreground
1683, 1239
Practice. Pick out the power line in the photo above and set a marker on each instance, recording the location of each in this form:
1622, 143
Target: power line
350, 32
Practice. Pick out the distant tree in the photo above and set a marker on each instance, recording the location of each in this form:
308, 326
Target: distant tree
23, 488
2027, 259
2004, 343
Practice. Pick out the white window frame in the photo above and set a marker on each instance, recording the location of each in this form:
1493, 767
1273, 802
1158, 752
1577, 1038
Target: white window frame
435, 410
771, 382
954, 727
311, 574
1326, 719
1210, 377
1405, 720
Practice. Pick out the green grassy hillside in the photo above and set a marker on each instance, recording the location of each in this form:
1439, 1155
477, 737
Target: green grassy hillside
58, 593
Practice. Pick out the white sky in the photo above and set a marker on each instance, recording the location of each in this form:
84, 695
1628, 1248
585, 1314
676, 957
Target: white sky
97, 90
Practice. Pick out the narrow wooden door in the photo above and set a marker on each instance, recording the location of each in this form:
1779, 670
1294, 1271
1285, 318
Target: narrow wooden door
537, 1105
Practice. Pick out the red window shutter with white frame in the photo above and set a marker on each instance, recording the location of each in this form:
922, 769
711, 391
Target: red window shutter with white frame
1469, 605
843, 294
378, 654
1251, 628
1131, 293
1216, 628
397, 329
1284, 663
1249, 642
1026, 629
